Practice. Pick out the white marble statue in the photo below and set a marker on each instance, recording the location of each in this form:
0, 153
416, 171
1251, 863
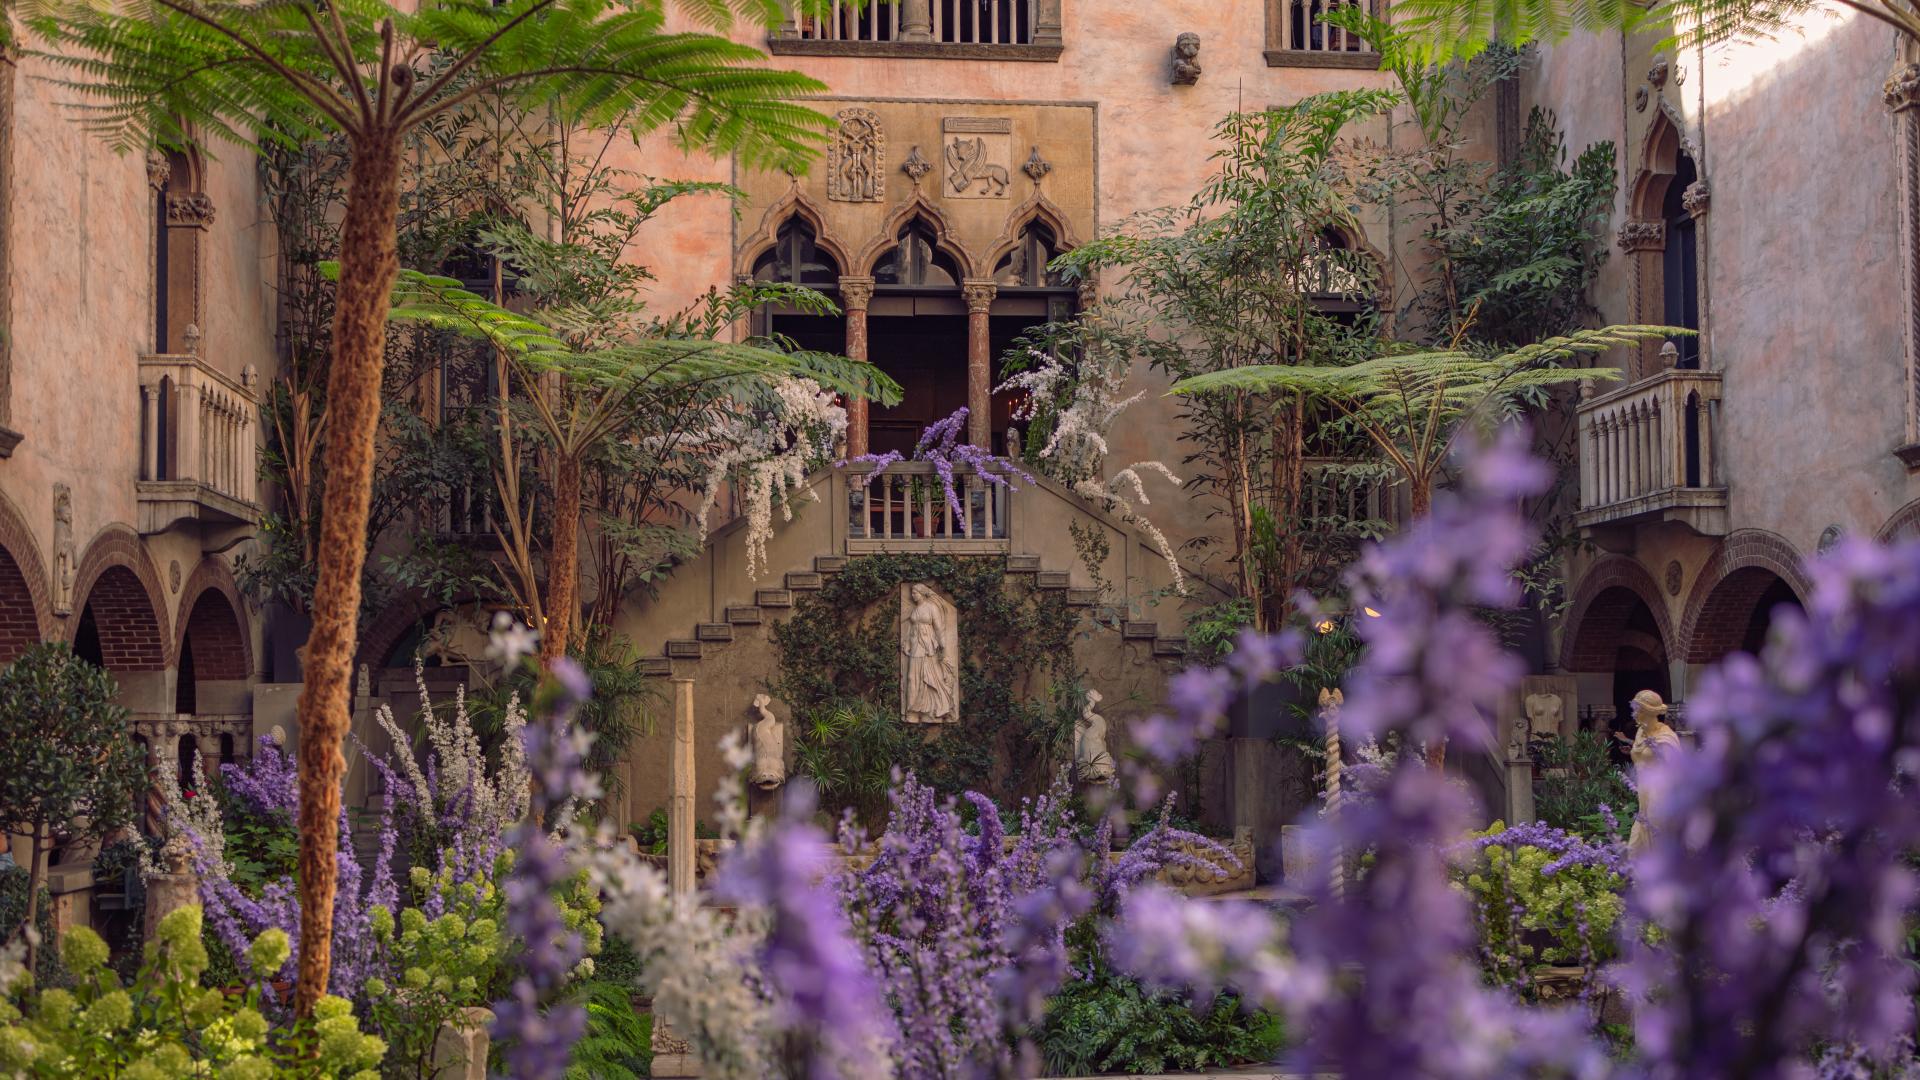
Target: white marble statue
1544, 712
1091, 760
929, 657
769, 739
1652, 740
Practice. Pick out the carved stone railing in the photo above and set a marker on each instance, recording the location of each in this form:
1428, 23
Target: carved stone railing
953, 29
164, 732
197, 454
1650, 450
905, 509
1331, 488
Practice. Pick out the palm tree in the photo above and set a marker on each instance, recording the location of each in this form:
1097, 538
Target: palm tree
175, 72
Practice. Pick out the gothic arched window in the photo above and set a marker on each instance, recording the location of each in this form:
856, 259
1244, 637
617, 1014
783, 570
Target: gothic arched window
796, 258
917, 261
1027, 263
1680, 262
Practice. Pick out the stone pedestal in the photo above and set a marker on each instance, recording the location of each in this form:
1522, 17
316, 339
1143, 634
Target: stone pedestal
168, 893
70, 887
460, 1050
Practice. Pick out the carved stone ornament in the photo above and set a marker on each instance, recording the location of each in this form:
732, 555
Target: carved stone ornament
1679, 74
1092, 762
1036, 167
194, 208
857, 158
978, 294
1642, 236
173, 575
64, 552
1674, 574
191, 335
1657, 74
159, 170
929, 656
1829, 536
1903, 88
1696, 198
249, 377
1640, 99
1186, 59
856, 293
768, 737
916, 166
976, 151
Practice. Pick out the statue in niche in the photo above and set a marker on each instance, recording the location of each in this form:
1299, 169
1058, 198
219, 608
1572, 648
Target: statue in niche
1544, 712
1091, 760
856, 158
1186, 59
1652, 740
769, 740
929, 657
63, 550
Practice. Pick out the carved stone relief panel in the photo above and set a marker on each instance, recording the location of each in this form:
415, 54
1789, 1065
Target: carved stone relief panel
857, 158
977, 151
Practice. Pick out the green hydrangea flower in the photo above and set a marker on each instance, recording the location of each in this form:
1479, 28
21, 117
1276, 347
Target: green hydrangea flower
17, 1049
55, 1009
83, 951
269, 951
108, 1014
248, 1068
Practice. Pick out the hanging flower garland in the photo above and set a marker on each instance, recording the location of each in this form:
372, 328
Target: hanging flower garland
769, 446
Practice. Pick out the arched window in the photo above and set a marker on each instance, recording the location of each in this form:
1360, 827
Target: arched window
796, 258
917, 261
1680, 270
1026, 264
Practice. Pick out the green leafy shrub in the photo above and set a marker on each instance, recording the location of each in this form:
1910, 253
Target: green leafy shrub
1574, 778
1110, 1023
618, 1044
165, 1025
446, 964
1544, 896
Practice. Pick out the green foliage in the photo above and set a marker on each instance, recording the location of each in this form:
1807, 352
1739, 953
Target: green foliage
1574, 778
1112, 1024
164, 1024
261, 848
448, 963
1211, 630
1526, 917
651, 834
13, 917
618, 1044
840, 672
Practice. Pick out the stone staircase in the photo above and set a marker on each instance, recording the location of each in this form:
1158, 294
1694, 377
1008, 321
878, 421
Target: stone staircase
771, 604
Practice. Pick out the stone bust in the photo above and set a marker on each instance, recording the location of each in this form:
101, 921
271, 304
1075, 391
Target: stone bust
1186, 59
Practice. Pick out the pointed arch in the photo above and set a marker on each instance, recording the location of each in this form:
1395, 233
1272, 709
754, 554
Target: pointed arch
1037, 208
946, 238
1660, 150
1664, 242
25, 606
794, 204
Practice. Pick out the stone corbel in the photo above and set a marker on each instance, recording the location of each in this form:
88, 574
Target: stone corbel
1902, 89
194, 209
1696, 198
1640, 235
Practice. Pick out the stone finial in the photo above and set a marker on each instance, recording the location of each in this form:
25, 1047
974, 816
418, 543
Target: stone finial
1186, 59
159, 169
916, 166
1640, 99
1669, 354
191, 337
1902, 89
1657, 74
1036, 167
249, 377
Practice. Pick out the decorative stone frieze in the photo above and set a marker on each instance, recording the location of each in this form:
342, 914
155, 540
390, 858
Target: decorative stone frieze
1642, 236
193, 208
856, 158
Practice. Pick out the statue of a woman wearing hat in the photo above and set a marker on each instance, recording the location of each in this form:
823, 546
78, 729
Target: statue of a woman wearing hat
1652, 740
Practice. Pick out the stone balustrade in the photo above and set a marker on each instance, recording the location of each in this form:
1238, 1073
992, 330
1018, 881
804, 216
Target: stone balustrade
1649, 451
198, 443
905, 509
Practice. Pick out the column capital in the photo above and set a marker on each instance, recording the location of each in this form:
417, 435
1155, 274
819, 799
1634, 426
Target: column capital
979, 293
1902, 89
855, 293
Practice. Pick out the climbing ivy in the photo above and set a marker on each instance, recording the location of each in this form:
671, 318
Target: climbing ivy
839, 670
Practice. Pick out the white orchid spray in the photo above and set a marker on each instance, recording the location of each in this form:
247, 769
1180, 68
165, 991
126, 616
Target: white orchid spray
769, 446
1077, 407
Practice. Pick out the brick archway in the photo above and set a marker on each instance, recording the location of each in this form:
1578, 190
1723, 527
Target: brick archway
1903, 525
214, 617
1748, 562
129, 609
378, 637
1603, 603
25, 607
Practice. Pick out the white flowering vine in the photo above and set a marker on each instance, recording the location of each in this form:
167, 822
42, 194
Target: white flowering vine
769, 446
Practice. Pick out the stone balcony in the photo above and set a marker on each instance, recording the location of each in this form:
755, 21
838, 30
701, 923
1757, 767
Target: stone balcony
927, 29
197, 453
905, 509
1649, 453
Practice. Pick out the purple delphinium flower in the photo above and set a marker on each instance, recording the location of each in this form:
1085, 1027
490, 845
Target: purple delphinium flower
269, 783
1776, 872
942, 444
827, 1001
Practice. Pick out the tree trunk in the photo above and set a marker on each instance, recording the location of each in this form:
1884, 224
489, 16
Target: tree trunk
36, 879
1420, 496
563, 562
368, 266
1289, 444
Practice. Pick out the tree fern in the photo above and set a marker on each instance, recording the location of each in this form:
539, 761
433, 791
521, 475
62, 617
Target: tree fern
618, 1043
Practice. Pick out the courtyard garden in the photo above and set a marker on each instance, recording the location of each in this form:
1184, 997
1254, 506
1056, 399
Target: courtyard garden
942, 860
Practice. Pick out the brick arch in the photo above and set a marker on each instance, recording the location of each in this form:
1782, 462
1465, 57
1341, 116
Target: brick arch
1602, 604
378, 637
26, 611
1903, 525
116, 574
1708, 620
212, 615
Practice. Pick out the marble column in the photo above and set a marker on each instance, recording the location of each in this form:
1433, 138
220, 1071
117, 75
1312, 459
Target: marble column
979, 294
680, 791
855, 294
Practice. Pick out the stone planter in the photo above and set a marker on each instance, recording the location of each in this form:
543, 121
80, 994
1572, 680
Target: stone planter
460, 1050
